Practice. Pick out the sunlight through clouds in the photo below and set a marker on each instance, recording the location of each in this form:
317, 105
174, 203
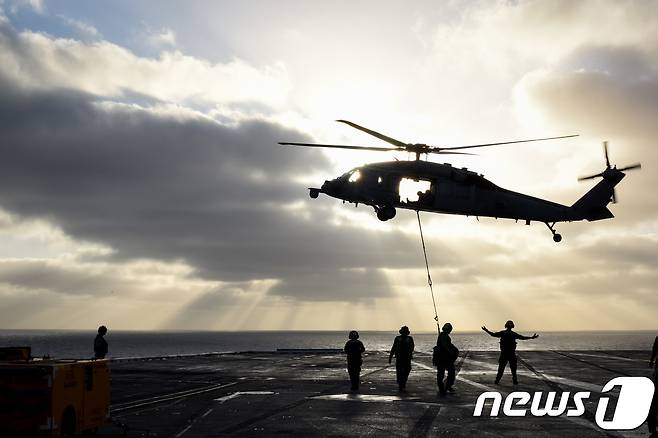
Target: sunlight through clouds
140, 165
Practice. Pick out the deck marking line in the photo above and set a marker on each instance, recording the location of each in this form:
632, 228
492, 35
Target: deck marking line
182, 432
239, 393
588, 415
292, 405
167, 397
565, 380
610, 370
424, 424
609, 356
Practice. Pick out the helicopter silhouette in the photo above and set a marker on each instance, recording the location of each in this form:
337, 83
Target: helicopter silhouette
450, 190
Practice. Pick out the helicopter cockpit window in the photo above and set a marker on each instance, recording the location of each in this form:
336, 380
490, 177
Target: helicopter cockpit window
416, 191
354, 176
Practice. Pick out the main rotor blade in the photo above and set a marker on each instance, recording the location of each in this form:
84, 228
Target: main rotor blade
339, 146
450, 153
441, 151
584, 178
632, 166
506, 142
605, 151
374, 133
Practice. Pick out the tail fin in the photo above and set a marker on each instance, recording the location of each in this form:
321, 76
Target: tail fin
593, 204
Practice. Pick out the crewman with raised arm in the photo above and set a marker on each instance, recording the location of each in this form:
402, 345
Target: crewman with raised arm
508, 339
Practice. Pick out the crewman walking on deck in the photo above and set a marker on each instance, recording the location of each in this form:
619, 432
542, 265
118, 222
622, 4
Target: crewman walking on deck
652, 418
353, 349
508, 349
100, 344
444, 357
403, 350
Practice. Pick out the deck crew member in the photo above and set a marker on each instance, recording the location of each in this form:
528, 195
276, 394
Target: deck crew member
403, 350
353, 349
444, 357
652, 418
508, 349
100, 344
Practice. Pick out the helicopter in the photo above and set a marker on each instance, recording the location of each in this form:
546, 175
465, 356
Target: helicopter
443, 188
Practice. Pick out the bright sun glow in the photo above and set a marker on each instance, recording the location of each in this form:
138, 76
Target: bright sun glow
410, 189
185, 157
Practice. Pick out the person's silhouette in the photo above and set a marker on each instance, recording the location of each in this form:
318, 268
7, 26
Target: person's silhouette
100, 344
353, 349
652, 419
403, 350
508, 349
445, 355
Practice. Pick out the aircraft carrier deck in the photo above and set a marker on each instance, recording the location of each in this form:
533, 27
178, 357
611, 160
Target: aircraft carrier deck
306, 393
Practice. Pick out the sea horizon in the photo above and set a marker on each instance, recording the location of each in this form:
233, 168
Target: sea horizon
78, 343
173, 330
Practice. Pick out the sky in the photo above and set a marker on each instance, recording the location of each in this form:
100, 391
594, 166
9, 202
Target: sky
142, 186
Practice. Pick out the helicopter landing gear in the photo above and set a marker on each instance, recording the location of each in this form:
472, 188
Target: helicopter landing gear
385, 213
556, 236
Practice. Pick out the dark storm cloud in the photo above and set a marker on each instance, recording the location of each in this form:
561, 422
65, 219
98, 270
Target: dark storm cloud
54, 277
174, 187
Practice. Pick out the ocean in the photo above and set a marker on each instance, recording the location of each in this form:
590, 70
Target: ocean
67, 344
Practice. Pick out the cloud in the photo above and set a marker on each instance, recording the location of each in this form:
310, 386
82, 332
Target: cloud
607, 93
345, 284
160, 38
174, 185
59, 277
601, 96
38, 6
151, 183
102, 68
85, 30
218, 307
154, 159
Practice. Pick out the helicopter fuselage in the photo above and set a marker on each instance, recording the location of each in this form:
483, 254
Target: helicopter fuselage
441, 188
447, 189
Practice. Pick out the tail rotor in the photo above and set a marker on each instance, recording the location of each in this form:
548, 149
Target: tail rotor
610, 171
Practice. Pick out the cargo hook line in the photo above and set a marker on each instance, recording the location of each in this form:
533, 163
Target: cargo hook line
427, 266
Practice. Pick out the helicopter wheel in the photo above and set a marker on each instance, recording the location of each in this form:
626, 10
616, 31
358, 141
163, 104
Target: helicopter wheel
386, 213
557, 237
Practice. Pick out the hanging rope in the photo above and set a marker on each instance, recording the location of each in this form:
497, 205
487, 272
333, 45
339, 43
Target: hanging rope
427, 266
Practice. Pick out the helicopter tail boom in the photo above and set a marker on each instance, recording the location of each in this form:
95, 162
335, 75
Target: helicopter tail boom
592, 206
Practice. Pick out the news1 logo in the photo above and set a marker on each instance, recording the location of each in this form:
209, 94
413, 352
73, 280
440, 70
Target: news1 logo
632, 408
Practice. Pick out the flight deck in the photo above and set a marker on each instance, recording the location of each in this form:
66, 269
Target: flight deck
306, 393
